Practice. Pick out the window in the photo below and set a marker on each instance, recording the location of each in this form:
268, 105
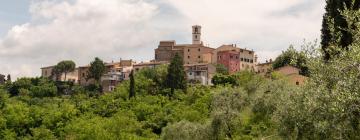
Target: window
199, 56
189, 57
188, 50
190, 73
250, 52
237, 57
297, 83
83, 74
241, 59
251, 61
198, 73
199, 49
231, 57
195, 36
196, 30
45, 73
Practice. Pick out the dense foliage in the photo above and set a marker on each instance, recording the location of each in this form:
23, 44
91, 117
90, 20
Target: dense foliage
336, 27
294, 58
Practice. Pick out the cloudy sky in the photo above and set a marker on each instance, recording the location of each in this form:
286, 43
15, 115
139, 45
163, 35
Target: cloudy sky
37, 33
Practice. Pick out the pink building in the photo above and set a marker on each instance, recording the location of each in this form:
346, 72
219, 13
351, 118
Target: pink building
230, 59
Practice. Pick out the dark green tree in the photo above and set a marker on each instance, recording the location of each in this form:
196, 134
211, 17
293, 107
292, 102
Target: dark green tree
8, 79
335, 28
97, 69
65, 67
132, 85
294, 58
176, 75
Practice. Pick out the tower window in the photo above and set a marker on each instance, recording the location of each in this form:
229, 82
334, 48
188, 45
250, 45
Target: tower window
188, 50
199, 49
195, 36
189, 57
196, 30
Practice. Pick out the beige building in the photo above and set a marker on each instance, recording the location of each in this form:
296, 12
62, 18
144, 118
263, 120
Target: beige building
264, 68
111, 68
293, 74
201, 73
71, 76
191, 53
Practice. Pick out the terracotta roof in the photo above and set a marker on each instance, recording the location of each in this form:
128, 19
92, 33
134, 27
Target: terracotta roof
152, 63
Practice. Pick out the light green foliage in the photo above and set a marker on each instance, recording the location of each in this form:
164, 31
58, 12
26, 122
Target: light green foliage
294, 58
328, 106
185, 130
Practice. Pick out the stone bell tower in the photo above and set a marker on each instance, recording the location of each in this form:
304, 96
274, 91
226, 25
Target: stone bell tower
196, 34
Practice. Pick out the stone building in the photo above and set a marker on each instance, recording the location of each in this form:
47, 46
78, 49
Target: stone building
201, 73
70, 76
191, 53
2, 79
112, 69
264, 68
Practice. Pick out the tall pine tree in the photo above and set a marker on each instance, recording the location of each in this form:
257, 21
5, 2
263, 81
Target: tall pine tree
176, 75
335, 28
132, 85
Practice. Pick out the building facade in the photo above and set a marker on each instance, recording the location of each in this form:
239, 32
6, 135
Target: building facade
230, 59
47, 72
293, 74
264, 68
201, 73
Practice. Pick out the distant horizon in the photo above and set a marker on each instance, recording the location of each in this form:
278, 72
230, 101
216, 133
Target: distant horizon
41, 33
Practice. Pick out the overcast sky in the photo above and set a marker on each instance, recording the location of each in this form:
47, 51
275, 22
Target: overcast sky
37, 33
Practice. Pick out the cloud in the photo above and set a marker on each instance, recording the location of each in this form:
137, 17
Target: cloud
79, 30
83, 29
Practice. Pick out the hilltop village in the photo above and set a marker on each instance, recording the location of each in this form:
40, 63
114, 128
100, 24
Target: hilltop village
200, 63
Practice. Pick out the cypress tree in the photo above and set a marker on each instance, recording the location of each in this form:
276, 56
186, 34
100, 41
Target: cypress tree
335, 27
176, 75
132, 85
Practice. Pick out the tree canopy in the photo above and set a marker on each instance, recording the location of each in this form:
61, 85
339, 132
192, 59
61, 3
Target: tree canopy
294, 58
97, 69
